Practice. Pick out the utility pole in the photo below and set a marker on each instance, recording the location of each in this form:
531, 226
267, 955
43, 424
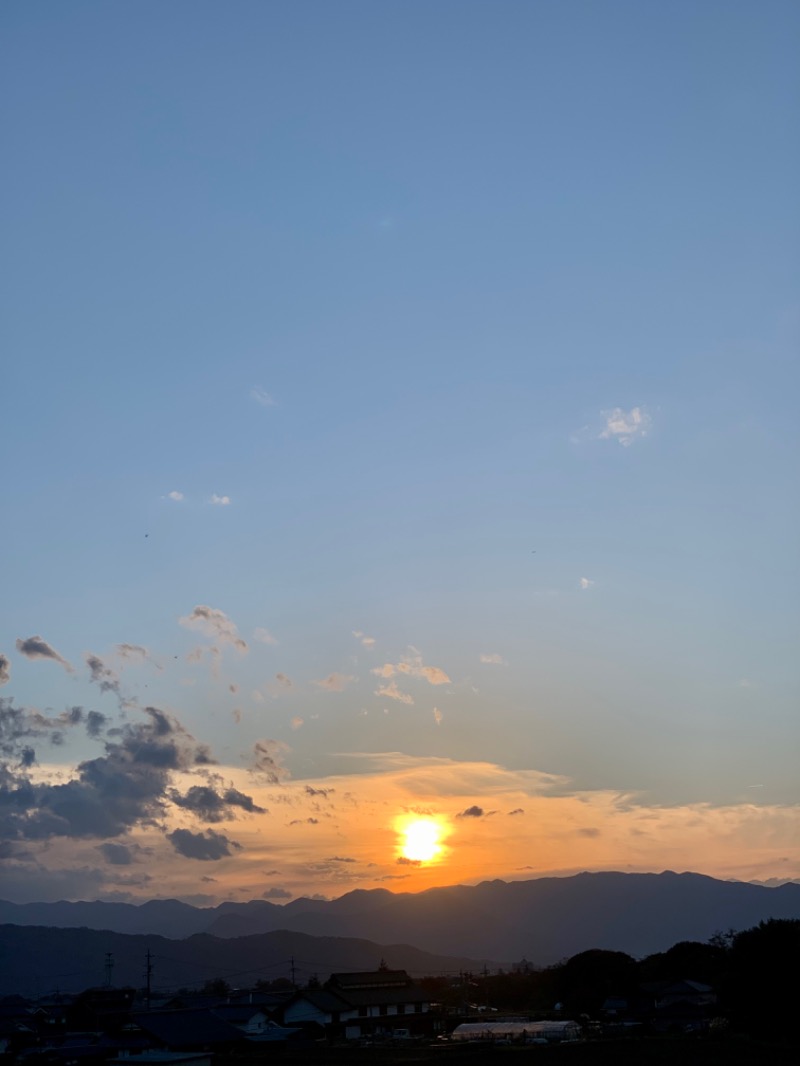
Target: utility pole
109, 968
148, 973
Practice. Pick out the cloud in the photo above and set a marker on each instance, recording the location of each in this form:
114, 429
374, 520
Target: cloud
5, 669
220, 501
102, 675
266, 760
413, 666
472, 812
368, 642
282, 679
437, 716
297, 722
215, 624
625, 426
206, 847
589, 831
517, 810
116, 854
133, 652
324, 792
392, 692
334, 682
586, 583
38, 648
339, 858
261, 396
403, 861
211, 806
263, 636
176, 496
276, 893
108, 795
493, 659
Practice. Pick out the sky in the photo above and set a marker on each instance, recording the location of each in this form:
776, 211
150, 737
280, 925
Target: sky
400, 423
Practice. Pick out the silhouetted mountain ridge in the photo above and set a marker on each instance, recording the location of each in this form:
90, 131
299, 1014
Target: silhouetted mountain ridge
36, 959
543, 919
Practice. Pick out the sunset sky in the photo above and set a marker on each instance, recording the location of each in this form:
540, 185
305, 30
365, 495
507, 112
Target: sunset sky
399, 411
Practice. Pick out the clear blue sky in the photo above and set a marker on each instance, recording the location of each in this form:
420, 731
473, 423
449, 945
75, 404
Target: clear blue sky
480, 322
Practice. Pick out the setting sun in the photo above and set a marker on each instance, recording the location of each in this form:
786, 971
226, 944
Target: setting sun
421, 839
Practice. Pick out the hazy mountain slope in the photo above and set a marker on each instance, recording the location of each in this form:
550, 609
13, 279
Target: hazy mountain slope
37, 960
543, 920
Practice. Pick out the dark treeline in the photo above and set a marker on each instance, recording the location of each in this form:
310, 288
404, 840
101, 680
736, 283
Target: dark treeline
752, 973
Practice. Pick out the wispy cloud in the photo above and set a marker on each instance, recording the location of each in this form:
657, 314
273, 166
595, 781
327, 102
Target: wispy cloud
437, 716
586, 582
493, 659
175, 495
625, 426
413, 666
215, 624
263, 636
334, 682
368, 642
220, 501
261, 396
5, 669
392, 692
38, 648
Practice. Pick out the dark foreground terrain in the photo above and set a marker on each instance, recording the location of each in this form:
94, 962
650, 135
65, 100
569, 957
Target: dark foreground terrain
730, 1050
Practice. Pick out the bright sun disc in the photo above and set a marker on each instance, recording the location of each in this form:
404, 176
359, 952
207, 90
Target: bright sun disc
421, 840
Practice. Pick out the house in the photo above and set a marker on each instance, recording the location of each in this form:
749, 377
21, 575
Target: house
375, 1002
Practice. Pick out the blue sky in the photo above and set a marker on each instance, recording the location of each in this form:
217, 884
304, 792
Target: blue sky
479, 322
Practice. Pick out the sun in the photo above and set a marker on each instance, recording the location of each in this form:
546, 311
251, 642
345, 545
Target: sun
420, 839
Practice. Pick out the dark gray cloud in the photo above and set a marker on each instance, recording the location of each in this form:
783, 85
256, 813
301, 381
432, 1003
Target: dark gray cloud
517, 810
116, 854
472, 812
266, 760
324, 792
20, 724
339, 858
206, 847
589, 831
403, 861
102, 675
5, 669
276, 893
38, 648
126, 786
211, 806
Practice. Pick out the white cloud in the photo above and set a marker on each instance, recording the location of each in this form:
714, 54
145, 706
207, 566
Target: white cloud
625, 426
261, 396
586, 583
220, 501
412, 666
213, 623
493, 658
437, 716
263, 636
393, 692
368, 642
175, 495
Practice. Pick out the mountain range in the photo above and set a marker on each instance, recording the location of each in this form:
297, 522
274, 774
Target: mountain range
543, 920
